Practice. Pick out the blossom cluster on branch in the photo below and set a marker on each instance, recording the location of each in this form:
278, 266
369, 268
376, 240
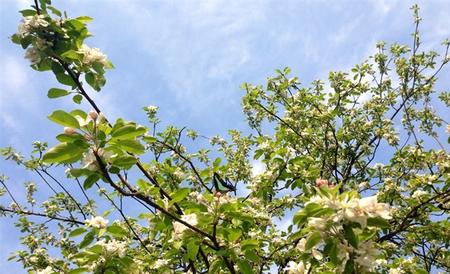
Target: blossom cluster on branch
210, 210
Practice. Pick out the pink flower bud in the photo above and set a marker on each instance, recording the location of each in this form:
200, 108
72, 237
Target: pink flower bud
69, 131
322, 183
93, 114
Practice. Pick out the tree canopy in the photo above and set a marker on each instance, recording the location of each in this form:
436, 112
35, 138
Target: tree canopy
360, 165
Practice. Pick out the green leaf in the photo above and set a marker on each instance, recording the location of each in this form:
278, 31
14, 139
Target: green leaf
234, 234
28, 12
84, 19
192, 250
249, 244
216, 163
71, 54
350, 236
65, 79
69, 138
313, 240
54, 11
150, 139
114, 170
179, 195
63, 118
215, 266
77, 232
378, 222
128, 132
117, 231
244, 267
77, 99
16, 39
349, 267
78, 270
57, 92
90, 79
252, 256
124, 161
77, 25
87, 240
331, 250
63, 153
90, 181
132, 146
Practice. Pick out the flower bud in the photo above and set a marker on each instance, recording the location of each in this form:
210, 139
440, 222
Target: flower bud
322, 183
69, 131
93, 114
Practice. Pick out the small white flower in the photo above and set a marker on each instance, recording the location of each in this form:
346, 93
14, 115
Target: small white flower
97, 222
296, 268
29, 23
419, 194
179, 228
396, 271
159, 263
113, 247
47, 270
317, 223
301, 245
33, 55
152, 109
92, 55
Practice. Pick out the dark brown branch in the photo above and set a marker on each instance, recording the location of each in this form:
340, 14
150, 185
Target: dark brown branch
31, 213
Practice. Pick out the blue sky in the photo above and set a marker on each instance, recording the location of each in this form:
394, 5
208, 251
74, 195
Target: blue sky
190, 57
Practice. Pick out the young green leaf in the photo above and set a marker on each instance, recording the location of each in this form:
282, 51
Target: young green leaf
63, 118
313, 239
57, 92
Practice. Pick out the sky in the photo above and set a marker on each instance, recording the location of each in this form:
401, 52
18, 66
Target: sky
189, 59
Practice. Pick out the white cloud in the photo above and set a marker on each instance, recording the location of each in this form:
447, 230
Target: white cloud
23, 3
13, 90
199, 44
14, 75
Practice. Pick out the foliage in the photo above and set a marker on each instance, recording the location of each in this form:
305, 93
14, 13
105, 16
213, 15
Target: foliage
317, 145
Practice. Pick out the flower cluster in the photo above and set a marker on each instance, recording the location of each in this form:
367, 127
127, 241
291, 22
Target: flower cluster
92, 55
97, 222
333, 217
113, 248
30, 23
352, 209
296, 268
179, 228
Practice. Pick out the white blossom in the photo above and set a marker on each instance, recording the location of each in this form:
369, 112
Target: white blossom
92, 55
33, 55
419, 194
159, 263
97, 222
296, 268
114, 247
366, 255
179, 228
47, 270
29, 23
152, 109
396, 271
